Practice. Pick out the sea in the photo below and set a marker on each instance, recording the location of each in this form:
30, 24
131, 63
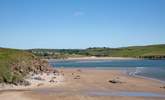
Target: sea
154, 69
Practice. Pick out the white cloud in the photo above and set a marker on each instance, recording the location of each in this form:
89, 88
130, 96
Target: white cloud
78, 13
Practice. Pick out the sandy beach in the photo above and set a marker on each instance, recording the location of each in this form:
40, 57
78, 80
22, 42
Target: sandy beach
100, 58
92, 84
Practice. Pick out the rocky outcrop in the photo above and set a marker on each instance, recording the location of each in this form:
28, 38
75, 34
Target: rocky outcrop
35, 66
15, 65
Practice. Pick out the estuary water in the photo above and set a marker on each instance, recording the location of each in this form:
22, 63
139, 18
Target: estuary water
148, 68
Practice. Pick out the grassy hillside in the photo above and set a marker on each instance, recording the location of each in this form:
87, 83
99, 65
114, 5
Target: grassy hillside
150, 51
16, 64
140, 51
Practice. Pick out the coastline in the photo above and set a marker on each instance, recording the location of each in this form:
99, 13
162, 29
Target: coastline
79, 83
97, 58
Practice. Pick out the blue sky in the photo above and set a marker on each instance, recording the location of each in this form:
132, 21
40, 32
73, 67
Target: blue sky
81, 23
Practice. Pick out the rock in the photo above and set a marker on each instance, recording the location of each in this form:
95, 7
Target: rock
163, 87
114, 81
22, 82
21, 71
55, 71
40, 84
54, 77
16, 83
26, 83
38, 78
77, 77
41, 68
51, 81
32, 74
56, 74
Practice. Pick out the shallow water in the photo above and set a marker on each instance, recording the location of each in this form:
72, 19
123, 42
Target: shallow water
108, 63
99, 93
148, 68
125, 93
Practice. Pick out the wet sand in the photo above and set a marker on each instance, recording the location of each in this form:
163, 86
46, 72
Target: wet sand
91, 84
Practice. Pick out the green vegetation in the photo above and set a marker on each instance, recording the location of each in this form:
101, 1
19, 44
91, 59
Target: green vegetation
16, 64
150, 51
58, 53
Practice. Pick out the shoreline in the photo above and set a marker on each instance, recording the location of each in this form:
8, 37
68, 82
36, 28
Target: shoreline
97, 58
101, 58
149, 78
95, 84
119, 69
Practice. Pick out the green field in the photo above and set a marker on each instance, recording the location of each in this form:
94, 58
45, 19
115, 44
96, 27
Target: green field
150, 51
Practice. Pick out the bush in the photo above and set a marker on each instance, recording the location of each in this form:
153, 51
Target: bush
7, 77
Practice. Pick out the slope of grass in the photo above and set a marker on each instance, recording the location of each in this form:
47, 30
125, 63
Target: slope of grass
16, 64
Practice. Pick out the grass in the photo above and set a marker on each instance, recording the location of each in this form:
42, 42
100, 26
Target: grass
10, 59
152, 50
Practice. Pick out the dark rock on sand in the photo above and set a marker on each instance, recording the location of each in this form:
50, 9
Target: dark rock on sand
26, 83
77, 77
38, 78
40, 84
51, 81
163, 87
114, 81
